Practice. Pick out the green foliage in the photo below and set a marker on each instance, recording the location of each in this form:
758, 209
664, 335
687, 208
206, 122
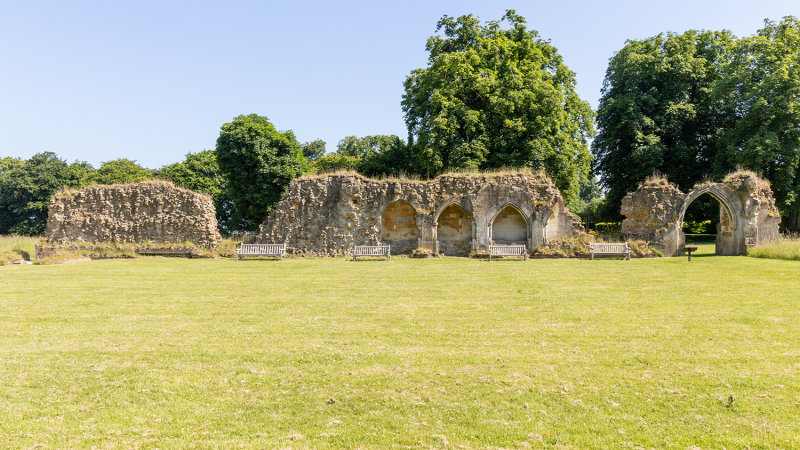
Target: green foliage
759, 101
493, 97
313, 150
656, 113
258, 162
371, 156
200, 172
697, 105
120, 171
608, 228
698, 227
333, 162
26, 188
8, 163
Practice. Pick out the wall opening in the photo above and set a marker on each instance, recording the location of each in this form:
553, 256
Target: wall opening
509, 227
399, 226
454, 231
707, 223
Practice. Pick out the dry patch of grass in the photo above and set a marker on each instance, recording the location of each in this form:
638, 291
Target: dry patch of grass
787, 247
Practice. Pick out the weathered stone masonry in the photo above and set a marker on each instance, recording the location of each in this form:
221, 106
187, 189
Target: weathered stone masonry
453, 215
133, 213
748, 215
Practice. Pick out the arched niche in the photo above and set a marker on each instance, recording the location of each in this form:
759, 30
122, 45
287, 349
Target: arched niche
454, 231
509, 226
399, 226
726, 240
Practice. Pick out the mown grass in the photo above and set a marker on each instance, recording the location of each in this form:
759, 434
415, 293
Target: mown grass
410, 353
787, 247
13, 248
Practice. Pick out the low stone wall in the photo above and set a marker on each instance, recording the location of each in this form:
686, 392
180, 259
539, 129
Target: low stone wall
155, 212
454, 215
748, 215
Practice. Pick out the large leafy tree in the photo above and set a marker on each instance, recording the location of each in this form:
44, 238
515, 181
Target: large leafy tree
258, 162
657, 111
759, 104
493, 97
26, 188
200, 172
697, 105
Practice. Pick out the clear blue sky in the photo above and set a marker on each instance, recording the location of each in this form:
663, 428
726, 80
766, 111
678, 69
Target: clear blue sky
152, 81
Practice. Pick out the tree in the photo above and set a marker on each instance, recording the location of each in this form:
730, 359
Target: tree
493, 97
26, 188
121, 171
314, 150
258, 162
759, 101
372, 156
200, 172
656, 112
696, 106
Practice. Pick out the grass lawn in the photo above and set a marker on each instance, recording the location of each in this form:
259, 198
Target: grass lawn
440, 352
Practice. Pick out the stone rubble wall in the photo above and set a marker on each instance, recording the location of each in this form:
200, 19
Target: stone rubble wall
156, 211
327, 215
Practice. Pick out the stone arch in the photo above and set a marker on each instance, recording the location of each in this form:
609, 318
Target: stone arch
509, 225
727, 238
748, 214
455, 229
399, 226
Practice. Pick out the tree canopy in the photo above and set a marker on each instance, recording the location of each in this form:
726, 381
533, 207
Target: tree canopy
120, 170
26, 188
372, 156
258, 162
492, 97
697, 105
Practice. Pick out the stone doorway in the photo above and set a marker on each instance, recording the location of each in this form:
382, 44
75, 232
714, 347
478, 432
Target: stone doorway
725, 243
399, 227
454, 231
509, 227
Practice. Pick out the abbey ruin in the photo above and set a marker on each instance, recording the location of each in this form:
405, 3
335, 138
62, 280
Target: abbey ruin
154, 211
747, 212
451, 214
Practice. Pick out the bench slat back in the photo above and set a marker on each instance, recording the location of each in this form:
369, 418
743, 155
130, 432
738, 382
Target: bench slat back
370, 250
507, 250
610, 247
263, 248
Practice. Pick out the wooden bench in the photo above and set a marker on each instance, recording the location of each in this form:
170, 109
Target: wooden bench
372, 250
278, 250
610, 249
508, 250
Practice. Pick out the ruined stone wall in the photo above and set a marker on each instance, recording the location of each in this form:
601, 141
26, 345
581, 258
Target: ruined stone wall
327, 215
748, 215
155, 212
